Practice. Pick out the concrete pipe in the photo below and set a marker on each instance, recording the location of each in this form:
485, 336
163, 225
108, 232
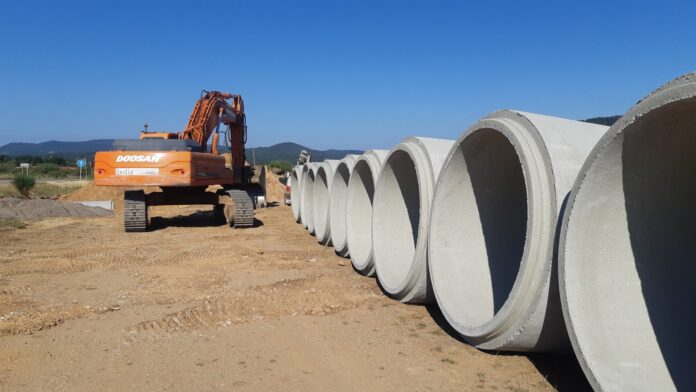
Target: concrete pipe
322, 195
337, 204
493, 226
306, 182
627, 250
359, 198
401, 216
296, 192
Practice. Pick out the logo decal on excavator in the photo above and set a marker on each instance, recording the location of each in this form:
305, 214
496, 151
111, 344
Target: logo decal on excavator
138, 158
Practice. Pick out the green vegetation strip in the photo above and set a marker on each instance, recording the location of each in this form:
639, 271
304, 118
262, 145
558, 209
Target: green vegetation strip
40, 190
11, 223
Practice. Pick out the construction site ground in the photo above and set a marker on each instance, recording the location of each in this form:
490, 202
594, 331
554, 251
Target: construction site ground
196, 305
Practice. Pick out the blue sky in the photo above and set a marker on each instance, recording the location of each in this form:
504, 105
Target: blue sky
328, 74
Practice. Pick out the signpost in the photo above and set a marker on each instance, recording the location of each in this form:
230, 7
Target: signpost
23, 166
81, 163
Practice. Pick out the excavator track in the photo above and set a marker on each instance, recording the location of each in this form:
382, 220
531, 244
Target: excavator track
134, 211
243, 208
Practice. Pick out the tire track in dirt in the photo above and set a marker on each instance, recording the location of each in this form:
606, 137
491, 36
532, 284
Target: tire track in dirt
76, 260
315, 296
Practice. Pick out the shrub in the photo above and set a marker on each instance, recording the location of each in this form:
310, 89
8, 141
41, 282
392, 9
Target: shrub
23, 183
282, 165
11, 223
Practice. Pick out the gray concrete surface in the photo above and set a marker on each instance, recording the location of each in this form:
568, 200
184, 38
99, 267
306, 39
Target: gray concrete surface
361, 190
493, 226
401, 216
338, 202
305, 188
309, 196
295, 192
627, 251
105, 204
322, 196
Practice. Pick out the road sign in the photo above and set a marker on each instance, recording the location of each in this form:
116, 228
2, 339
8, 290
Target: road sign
81, 163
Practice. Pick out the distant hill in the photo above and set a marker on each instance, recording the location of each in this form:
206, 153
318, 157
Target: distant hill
278, 152
53, 147
609, 121
290, 151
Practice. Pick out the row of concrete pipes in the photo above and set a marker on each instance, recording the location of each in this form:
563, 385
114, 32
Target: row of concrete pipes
535, 233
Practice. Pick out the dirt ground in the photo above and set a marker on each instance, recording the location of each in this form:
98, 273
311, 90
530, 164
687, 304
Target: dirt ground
196, 305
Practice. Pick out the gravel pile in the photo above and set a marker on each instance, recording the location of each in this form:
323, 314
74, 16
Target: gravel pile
11, 207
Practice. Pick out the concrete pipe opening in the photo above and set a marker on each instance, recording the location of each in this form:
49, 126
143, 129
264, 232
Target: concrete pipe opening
493, 226
303, 190
321, 196
483, 220
628, 256
295, 192
338, 203
403, 194
307, 196
359, 202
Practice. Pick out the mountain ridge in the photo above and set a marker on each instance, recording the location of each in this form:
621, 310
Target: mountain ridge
285, 151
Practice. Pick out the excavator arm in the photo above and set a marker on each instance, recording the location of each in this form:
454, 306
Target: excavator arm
211, 110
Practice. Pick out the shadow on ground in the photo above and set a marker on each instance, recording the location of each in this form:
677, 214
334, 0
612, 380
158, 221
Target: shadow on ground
562, 371
196, 219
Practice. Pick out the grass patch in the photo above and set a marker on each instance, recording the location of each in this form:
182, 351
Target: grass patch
11, 223
40, 190
281, 165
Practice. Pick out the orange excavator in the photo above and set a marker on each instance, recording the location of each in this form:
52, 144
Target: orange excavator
183, 166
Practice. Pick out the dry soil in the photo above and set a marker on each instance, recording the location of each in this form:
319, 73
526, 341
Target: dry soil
194, 305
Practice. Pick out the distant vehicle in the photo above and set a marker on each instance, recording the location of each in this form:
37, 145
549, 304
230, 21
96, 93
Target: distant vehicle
303, 158
288, 188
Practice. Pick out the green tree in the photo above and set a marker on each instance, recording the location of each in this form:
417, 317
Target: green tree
282, 165
23, 183
57, 160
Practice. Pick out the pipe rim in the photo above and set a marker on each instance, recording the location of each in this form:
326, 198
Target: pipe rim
295, 192
303, 192
680, 89
309, 197
320, 191
425, 179
528, 284
373, 163
322, 194
338, 208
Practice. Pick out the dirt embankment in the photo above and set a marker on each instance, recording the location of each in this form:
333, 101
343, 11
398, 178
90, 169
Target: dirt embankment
275, 190
93, 192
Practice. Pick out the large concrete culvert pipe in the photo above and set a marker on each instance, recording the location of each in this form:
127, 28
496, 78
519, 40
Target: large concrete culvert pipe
360, 196
337, 204
628, 248
306, 187
296, 192
401, 215
493, 225
322, 195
